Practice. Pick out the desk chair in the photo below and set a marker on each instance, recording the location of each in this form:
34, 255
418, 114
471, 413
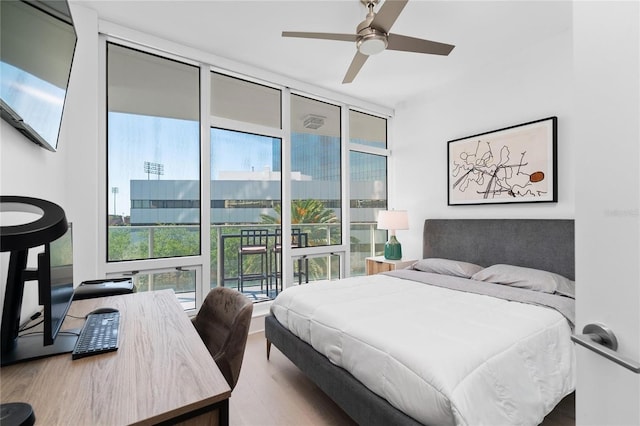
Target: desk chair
253, 242
223, 325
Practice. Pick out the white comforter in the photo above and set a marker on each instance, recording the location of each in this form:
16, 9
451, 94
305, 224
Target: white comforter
441, 356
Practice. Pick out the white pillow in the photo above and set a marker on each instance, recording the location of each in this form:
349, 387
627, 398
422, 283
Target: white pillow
531, 279
455, 268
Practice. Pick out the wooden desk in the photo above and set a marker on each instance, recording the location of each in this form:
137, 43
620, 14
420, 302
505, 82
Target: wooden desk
161, 372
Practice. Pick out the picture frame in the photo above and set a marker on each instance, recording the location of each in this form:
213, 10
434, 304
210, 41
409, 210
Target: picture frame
516, 164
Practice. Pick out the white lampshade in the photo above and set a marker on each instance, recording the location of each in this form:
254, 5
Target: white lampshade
393, 219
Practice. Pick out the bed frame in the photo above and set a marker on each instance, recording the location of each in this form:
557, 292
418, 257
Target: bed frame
546, 244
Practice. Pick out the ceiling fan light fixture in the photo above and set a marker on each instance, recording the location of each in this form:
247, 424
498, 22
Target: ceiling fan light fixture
372, 44
372, 37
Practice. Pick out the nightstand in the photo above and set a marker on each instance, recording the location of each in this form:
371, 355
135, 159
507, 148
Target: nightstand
378, 264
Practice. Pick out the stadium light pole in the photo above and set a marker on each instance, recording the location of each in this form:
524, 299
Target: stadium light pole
114, 191
153, 169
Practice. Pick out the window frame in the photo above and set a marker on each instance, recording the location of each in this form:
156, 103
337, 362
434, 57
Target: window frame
110, 32
366, 149
132, 267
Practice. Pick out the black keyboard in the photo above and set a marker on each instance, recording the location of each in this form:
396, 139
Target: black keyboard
98, 335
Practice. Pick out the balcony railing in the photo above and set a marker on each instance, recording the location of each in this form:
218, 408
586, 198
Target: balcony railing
148, 242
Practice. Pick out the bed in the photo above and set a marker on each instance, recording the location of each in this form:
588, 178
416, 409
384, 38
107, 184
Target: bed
429, 345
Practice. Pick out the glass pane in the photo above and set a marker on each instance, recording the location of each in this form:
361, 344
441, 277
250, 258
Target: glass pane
245, 197
153, 156
245, 101
368, 196
183, 282
315, 165
365, 129
317, 268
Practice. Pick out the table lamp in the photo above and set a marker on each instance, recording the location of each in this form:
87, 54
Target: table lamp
393, 220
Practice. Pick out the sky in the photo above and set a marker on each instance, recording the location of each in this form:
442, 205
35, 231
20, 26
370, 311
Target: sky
174, 143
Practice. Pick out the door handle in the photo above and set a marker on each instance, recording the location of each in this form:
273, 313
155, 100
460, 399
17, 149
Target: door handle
601, 340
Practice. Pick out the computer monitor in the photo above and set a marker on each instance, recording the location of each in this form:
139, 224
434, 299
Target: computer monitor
55, 283
55, 292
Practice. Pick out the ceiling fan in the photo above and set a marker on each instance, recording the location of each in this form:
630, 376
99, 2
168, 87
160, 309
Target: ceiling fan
373, 36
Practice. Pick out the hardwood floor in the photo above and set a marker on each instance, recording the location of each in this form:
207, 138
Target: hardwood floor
275, 392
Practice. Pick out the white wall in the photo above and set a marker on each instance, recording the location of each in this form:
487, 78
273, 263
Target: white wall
531, 84
67, 177
28, 170
81, 137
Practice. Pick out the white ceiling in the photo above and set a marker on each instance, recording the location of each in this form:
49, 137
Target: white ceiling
249, 32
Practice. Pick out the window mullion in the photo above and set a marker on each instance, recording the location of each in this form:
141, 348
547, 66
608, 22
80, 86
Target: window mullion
285, 221
241, 126
203, 286
345, 265
103, 230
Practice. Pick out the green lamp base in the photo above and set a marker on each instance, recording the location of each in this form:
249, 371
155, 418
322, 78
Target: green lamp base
392, 249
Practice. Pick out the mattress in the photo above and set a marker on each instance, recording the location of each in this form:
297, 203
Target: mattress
441, 356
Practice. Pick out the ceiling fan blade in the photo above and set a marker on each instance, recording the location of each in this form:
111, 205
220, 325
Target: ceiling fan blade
357, 63
388, 14
322, 36
411, 44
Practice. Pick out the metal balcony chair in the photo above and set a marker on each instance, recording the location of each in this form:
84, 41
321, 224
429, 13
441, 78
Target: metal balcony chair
298, 240
253, 242
275, 260
223, 325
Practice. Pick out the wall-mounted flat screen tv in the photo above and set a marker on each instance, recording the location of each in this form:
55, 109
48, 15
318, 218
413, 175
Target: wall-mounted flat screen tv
38, 41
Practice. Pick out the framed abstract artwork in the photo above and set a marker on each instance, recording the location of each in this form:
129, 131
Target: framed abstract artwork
516, 164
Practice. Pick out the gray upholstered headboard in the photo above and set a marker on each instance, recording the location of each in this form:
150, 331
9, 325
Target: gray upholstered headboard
546, 244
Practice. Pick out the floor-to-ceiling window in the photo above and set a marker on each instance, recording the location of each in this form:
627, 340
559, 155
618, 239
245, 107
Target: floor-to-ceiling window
246, 185
367, 187
316, 187
153, 165
195, 161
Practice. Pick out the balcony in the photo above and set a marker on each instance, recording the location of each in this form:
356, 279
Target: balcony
149, 242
